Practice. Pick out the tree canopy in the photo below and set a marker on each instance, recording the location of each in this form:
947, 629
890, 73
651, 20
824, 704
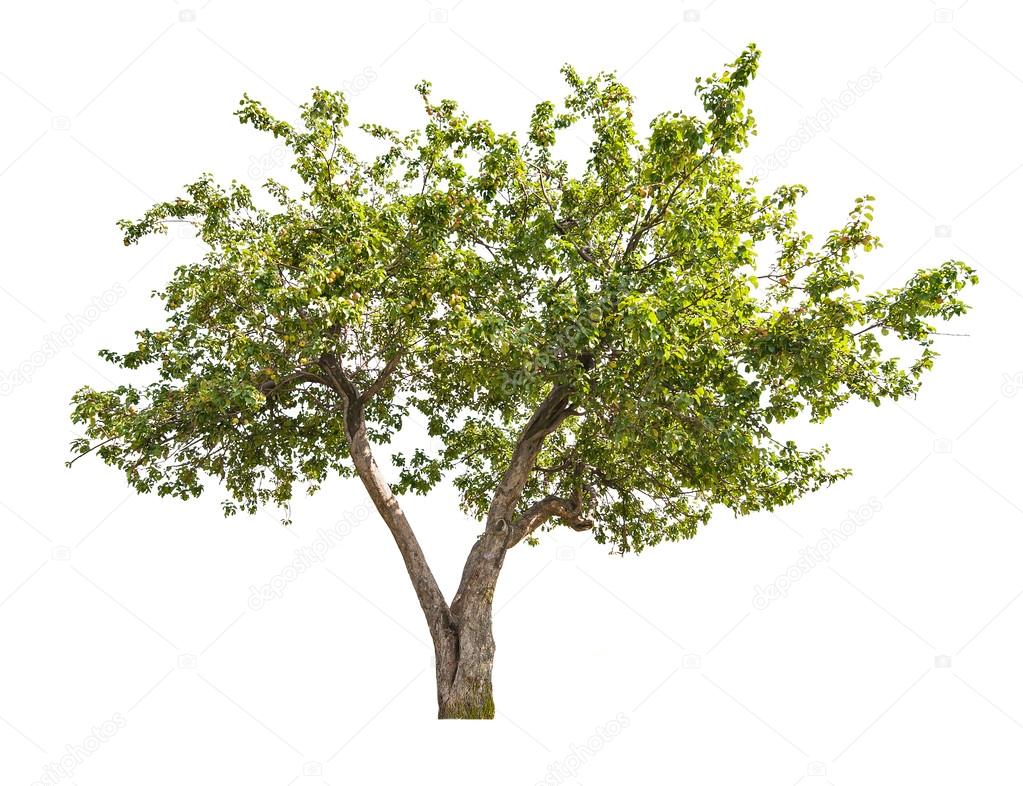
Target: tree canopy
646, 317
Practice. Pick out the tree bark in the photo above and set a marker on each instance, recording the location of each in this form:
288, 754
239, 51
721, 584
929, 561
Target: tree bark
470, 693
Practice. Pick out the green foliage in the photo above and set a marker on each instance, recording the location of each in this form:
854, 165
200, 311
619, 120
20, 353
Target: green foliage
486, 270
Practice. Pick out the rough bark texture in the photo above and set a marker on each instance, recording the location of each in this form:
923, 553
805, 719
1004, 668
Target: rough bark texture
470, 693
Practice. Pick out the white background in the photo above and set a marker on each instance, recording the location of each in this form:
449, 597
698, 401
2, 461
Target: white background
897, 661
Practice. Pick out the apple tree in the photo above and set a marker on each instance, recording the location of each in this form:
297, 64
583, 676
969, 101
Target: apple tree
610, 344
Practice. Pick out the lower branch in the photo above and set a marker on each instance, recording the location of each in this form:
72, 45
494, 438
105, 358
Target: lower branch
539, 513
435, 608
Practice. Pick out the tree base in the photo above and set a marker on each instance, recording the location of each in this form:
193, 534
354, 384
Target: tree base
474, 708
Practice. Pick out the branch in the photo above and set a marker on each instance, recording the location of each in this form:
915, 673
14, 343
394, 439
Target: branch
339, 381
479, 576
647, 223
97, 446
547, 508
382, 378
550, 414
562, 228
431, 599
269, 387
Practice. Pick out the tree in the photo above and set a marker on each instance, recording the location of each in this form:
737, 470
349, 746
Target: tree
593, 346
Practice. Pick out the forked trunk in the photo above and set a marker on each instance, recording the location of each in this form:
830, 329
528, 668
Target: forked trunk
462, 633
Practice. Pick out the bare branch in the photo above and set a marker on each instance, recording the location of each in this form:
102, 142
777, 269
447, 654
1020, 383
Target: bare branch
382, 378
431, 599
537, 514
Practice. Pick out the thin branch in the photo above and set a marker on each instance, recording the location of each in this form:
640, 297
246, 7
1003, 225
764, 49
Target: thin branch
382, 378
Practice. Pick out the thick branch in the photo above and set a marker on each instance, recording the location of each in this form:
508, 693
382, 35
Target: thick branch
431, 599
479, 576
550, 414
537, 514
430, 596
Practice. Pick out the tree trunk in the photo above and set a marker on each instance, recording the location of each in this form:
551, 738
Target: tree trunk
469, 692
